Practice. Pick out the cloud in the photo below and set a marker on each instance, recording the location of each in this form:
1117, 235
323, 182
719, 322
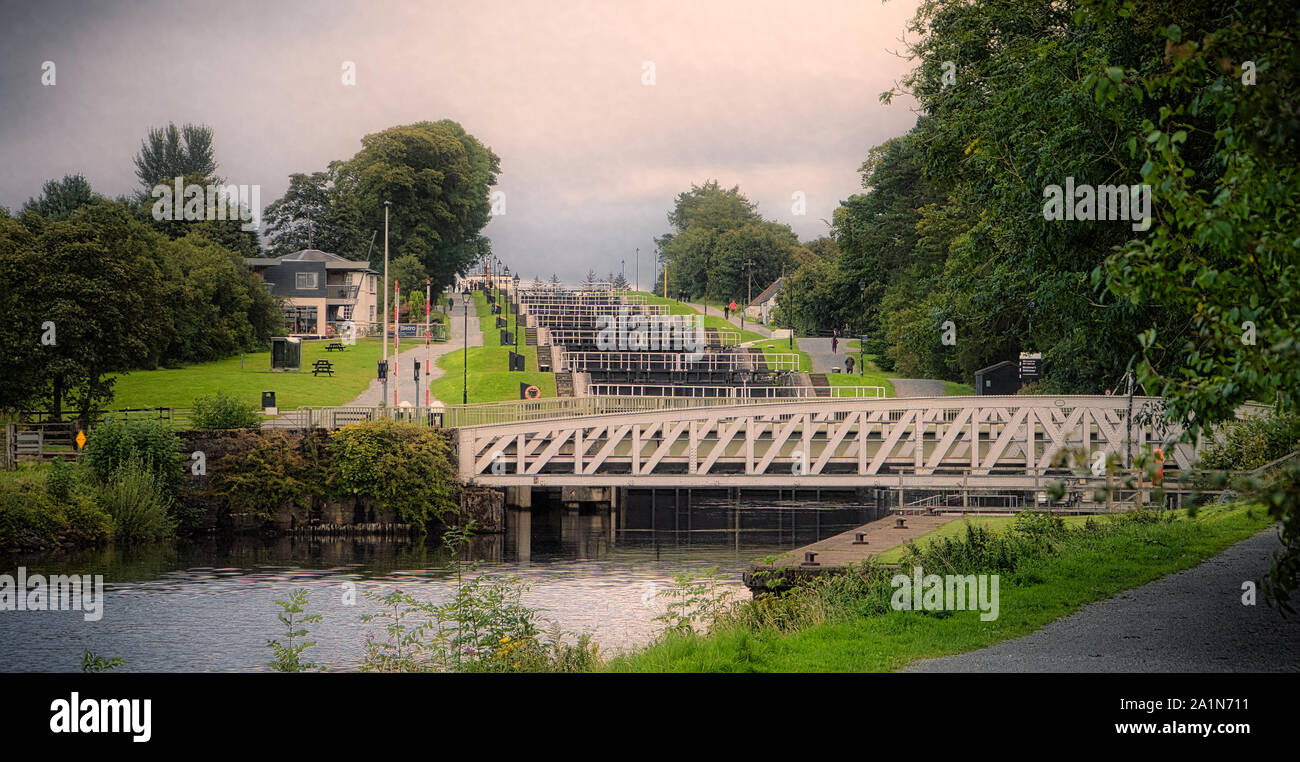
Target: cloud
777, 97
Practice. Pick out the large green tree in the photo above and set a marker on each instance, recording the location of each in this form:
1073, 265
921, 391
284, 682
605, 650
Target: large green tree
438, 179
82, 301
316, 212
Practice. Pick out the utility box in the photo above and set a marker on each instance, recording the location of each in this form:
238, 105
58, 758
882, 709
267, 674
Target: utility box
507, 339
268, 403
1002, 378
501, 322
516, 362
286, 353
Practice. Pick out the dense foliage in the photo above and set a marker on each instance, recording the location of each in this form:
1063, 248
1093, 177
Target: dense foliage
721, 249
435, 174
223, 411
406, 467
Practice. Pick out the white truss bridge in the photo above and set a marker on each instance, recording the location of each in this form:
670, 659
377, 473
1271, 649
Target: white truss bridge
979, 442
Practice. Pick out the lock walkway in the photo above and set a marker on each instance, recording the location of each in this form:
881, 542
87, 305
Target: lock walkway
835, 553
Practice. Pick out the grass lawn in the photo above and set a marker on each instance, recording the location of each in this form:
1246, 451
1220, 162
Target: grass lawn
950, 388
354, 368
489, 377
958, 527
1090, 565
711, 320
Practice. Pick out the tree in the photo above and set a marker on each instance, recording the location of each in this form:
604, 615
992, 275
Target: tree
83, 301
437, 177
170, 152
215, 306
698, 218
755, 253
409, 274
60, 198
316, 212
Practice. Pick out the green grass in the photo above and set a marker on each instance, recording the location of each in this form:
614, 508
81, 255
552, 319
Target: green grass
950, 388
958, 527
354, 368
1090, 565
489, 377
711, 320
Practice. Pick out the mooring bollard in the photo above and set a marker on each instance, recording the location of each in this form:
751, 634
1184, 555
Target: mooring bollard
900, 523
810, 558
860, 538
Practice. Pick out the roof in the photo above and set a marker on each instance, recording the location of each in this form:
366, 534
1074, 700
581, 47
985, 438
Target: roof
768, 293
332, 261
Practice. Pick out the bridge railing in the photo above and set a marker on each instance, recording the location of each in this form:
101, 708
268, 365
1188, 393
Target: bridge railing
605, 389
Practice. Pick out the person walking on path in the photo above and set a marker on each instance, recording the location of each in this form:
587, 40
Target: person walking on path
835, 341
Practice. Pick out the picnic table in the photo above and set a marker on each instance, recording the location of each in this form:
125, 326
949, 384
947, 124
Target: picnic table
335, 347
322, 366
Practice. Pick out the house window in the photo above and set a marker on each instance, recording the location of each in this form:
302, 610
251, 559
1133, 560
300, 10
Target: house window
306, 281
300, 319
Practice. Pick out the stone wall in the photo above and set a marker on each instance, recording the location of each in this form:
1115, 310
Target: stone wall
351, 516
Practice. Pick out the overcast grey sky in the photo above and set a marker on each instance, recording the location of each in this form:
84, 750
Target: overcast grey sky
777, 97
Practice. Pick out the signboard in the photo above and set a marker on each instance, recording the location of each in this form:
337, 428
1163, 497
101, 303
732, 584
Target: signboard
529, 392
1031, 366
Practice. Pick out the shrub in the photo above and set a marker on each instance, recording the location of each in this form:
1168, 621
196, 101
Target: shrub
31, 518
404, 466
138, 502
113, 443
272, 472
60, 480
1253, 442
224, 411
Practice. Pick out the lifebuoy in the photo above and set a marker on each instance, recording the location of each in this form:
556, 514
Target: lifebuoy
532, 393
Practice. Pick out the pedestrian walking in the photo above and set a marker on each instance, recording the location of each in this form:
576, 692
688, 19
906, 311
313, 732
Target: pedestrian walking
835, 341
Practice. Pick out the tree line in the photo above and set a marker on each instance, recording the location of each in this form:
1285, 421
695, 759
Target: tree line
98, 286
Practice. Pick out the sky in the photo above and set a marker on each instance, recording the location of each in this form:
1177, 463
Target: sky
601, 112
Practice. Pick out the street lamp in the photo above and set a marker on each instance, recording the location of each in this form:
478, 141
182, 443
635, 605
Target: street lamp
862, 340
383, 394
464, 390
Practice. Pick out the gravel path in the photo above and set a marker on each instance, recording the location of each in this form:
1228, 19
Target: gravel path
1192, 621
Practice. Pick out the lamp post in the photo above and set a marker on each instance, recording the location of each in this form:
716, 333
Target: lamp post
428, 360
464, 389
862, 340
516, 297
383, 395
748, 265
638, 268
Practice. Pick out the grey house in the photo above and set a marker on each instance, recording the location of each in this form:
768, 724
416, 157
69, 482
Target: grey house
322, 291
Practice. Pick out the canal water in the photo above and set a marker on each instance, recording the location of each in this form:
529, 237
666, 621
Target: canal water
210, 605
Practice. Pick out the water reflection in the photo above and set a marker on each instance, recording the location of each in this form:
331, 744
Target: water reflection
209, 606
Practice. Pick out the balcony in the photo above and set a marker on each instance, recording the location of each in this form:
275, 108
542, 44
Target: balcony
341, 293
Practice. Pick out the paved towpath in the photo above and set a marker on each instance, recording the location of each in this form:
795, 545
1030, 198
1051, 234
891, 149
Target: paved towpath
823, 360
406, 392
1192, 621
734, 320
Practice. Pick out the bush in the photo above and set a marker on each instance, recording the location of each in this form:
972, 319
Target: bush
138, 502
404, 466
272, 472
113, 443
61, 479
30, 518
1253, 442
224, 411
